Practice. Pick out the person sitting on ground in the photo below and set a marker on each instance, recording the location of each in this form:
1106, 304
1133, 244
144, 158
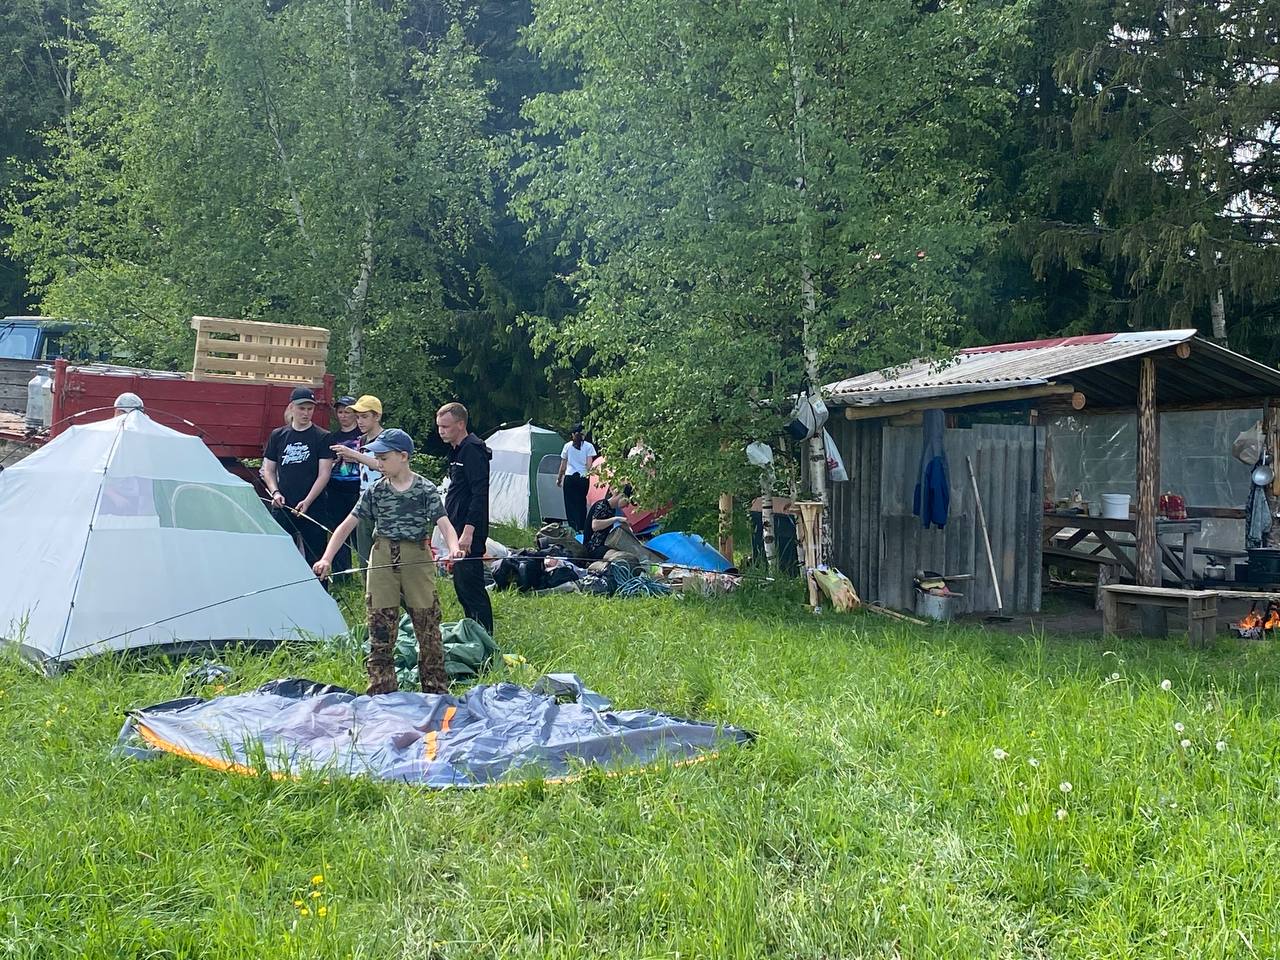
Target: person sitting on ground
604, 515
368, 411
575, 463
404, 508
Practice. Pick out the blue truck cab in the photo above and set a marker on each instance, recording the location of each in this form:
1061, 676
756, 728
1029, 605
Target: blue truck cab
34, 338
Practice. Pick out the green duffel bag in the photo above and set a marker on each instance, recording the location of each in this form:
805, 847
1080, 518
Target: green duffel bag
560, 535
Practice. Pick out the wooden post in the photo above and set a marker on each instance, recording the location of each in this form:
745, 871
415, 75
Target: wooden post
1270, 438
1148, 475
809, 522
726, 526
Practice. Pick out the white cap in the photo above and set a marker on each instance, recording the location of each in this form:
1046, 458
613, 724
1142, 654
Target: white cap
128, 401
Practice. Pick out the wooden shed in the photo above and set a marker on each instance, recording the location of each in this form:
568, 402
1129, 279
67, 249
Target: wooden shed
875, 423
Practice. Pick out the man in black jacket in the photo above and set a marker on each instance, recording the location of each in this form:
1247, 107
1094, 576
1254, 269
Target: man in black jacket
467, 504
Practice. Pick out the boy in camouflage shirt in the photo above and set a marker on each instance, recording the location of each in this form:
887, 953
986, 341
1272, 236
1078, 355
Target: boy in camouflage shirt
404, 508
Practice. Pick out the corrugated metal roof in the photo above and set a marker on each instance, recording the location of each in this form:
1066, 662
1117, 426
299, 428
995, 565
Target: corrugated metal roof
1001, 366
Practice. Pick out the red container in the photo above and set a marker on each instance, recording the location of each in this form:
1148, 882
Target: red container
1173, 506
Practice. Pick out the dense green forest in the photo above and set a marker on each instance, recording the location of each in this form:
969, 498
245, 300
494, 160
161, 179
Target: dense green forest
668, 215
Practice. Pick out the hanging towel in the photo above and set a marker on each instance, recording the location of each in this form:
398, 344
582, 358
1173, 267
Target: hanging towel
1257, 515
932, 499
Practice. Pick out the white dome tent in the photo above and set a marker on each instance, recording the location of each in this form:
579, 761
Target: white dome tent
125, 534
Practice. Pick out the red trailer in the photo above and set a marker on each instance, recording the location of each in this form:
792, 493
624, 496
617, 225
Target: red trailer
233, 418
235, 395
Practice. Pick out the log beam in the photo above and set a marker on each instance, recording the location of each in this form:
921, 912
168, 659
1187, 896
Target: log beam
982, 398
1148, 475
1237, 403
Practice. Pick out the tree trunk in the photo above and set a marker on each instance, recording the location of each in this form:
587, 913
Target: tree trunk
1218, 310
356, 308
816, 449
766, 521
1148, 475
726, 526
359, 298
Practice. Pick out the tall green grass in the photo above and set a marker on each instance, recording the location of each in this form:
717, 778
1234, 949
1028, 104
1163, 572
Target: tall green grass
872, 818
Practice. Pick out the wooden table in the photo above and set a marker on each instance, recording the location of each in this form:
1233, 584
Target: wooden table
1104, 527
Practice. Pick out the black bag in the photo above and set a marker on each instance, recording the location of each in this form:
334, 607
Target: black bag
523, 573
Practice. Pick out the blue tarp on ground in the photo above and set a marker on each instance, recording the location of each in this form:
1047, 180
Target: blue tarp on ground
491, 734
690, 550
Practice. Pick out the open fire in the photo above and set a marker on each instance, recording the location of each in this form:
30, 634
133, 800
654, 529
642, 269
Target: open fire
1253, 624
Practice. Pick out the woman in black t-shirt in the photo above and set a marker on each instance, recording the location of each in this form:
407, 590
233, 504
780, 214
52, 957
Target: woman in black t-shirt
603, 517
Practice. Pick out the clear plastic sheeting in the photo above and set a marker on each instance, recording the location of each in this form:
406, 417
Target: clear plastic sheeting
1098, 454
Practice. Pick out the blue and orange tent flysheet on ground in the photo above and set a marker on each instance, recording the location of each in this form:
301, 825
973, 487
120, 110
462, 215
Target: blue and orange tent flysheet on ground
489, 735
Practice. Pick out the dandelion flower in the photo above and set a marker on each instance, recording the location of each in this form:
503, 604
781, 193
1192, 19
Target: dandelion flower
1061, 814
317, 879
1033, 761
1221, 746
1178, 728
305, 912
297, 903
999, 754
1184, 743
322, 912
1166, 685
1115, 676
1065, 786
315, 894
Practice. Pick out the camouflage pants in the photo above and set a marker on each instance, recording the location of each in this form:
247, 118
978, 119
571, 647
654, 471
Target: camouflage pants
403, 574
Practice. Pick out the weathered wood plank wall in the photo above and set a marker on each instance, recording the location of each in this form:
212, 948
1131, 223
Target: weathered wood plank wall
880, 545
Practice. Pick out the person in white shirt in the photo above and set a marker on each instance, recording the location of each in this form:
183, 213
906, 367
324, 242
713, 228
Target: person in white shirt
575, 463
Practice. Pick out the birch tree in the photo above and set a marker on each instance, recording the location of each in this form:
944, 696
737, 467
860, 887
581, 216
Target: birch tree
760, 196
312, 162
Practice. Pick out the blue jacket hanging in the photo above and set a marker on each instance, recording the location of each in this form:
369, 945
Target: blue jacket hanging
932, 500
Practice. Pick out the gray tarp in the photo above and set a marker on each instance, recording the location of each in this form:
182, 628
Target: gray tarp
491, 734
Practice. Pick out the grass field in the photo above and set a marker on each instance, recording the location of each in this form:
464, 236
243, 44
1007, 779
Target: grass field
912, 793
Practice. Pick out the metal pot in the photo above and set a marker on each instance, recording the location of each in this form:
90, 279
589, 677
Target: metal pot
1213, 570
1263, 474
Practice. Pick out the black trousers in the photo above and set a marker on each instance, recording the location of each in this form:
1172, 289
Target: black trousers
575, 500
468, 584
310, 537
341, 500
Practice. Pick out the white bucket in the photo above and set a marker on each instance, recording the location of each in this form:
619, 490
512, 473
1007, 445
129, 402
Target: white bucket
1115, 506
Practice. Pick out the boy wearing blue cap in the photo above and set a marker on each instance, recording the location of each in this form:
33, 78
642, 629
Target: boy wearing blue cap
403, 507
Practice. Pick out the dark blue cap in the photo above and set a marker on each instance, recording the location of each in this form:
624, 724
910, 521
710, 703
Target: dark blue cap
344, 402
390, 440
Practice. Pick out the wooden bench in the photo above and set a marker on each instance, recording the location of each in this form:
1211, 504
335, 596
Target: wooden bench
1105, 569
1201, 607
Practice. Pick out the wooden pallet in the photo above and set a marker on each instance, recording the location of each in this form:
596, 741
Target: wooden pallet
252, 351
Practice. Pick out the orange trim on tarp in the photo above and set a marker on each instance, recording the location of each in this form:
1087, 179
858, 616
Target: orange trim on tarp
216, 763
430, 743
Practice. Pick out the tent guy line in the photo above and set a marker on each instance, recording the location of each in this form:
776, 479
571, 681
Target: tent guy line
345, 573
258, 592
